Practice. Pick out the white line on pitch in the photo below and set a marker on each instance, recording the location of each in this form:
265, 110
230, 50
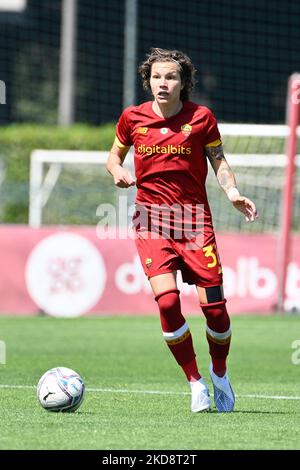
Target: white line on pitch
269, 397
158, 392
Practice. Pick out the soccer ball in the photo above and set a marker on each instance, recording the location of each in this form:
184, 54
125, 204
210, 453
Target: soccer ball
60, 389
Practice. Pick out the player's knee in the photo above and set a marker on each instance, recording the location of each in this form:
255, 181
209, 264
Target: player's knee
168, 301
214, 309
215, 305
216, 315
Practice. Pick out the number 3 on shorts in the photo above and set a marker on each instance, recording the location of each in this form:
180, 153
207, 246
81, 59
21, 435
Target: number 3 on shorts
210, 251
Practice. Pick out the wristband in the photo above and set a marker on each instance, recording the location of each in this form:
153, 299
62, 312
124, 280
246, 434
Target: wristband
232, 192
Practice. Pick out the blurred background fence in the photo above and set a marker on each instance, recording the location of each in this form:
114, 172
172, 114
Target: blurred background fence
243, 51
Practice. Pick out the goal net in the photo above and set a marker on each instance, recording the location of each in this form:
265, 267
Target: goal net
67, 187
256, 153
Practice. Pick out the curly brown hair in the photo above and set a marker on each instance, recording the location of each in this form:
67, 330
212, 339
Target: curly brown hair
186, 68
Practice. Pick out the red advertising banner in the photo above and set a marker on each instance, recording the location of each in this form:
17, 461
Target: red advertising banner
75, 271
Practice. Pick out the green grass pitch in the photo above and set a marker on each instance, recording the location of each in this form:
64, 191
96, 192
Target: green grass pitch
137, 397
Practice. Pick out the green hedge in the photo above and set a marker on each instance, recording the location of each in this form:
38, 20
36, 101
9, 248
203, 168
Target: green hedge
16, 144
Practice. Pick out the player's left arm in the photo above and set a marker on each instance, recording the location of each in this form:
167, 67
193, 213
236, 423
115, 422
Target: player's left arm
227, 181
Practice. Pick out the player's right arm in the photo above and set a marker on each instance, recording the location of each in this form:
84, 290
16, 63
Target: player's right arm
122, 176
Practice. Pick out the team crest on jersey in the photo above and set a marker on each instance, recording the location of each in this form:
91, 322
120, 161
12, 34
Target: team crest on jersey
186, 129
164, 130
148, 262
142, 130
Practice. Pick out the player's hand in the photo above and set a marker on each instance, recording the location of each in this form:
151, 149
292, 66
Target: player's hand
246, 206
122, 177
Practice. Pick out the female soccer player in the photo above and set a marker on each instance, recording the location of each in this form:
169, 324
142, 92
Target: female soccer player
173, 138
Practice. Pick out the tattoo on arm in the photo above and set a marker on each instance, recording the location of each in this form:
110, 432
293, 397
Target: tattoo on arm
214, 153
224, 174
226, 177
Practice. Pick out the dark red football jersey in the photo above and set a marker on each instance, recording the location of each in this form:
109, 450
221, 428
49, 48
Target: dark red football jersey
169, 154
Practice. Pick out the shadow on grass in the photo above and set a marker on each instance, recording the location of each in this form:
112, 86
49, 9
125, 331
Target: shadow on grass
264, 412
260, 412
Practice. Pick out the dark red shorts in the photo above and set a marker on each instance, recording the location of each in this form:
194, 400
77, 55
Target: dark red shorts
199, 265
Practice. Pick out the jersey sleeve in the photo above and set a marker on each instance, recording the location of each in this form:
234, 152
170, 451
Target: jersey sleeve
123, 129
212, 134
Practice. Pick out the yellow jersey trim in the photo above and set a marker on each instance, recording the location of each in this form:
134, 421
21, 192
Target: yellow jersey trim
215, 143
119, 144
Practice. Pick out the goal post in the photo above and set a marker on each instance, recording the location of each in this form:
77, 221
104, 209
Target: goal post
293, 121
255, 152
41, 186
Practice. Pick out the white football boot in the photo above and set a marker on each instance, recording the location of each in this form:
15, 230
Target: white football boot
223, 394
200, 396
